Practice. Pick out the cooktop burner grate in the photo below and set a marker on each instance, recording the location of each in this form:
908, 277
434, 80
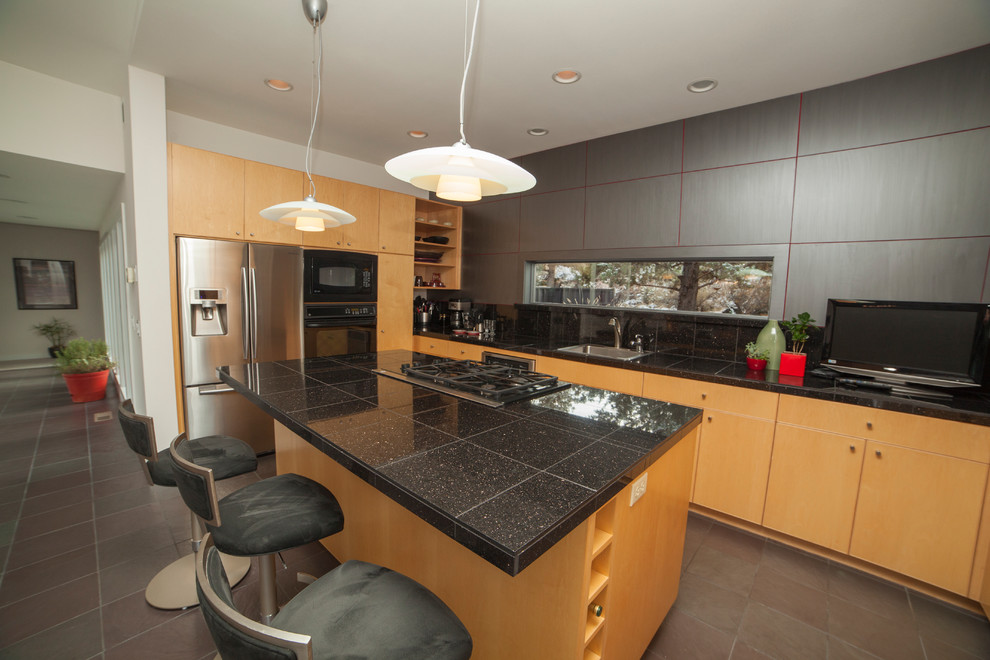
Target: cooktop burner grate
495, 384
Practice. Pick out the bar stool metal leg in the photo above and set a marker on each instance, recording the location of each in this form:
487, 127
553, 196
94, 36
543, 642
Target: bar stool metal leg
174, 587
268, 598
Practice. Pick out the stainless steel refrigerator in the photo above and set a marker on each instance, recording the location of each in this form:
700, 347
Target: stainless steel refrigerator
239, 304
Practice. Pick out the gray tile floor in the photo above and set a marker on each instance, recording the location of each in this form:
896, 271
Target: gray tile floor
81, 533
743, 597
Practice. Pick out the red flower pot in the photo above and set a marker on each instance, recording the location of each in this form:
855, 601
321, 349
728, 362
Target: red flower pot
755, 365
87, 387
792, 364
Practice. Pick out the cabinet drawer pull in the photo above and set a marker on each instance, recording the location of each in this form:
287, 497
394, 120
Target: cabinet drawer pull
852, 448
879, 454
869, 425
709, 418
704, 395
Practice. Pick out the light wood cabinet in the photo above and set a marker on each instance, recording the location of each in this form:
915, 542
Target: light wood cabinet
814, 481
396, 213
646, 553
736, 441
627, 381
361, 202
429, 345
395, 314
206, 193
264, 186
733, 464
918, 514
438, 260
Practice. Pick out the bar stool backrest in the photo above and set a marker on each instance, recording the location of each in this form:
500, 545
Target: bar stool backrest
235, 635
195, 482
139, 431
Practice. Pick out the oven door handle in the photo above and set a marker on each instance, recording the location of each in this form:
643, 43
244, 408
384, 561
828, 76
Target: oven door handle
324, 323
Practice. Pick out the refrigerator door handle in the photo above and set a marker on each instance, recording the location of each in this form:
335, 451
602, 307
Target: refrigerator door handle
254, 316
246, 330
214, 389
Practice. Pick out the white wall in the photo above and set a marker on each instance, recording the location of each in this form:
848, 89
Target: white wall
202, 134
26, 241
49, 118
149, 299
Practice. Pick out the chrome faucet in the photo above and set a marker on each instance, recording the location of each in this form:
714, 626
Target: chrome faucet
614, 322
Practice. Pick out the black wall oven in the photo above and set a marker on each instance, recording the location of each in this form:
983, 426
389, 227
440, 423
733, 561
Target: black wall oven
334, 277
339, 329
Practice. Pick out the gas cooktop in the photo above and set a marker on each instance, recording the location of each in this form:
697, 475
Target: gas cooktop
490, 384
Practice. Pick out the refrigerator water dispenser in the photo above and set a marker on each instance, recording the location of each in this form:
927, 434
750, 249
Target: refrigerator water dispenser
209, 312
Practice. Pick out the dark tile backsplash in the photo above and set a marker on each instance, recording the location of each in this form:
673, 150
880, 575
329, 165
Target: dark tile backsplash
709, 337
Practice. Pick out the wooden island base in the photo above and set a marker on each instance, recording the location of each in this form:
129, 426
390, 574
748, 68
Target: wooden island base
625, 558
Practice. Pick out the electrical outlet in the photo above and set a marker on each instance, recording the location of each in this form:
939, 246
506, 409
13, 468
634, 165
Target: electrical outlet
638, 489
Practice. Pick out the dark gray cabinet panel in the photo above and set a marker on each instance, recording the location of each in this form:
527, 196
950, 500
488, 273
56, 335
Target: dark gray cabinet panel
636, 154
941, 270
918, 189
556, 169
492, 226
734, 205
752, 133
948, 94
554, 221
632, 213
492, 278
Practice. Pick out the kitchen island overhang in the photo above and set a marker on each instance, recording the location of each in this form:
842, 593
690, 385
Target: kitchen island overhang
392, 434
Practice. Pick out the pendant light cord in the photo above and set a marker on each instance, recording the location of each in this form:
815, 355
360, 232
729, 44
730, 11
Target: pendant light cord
314, 108
467, 65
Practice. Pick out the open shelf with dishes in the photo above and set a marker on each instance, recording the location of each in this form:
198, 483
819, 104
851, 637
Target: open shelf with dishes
437, 246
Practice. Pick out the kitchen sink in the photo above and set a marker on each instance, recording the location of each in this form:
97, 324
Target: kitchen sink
604, 351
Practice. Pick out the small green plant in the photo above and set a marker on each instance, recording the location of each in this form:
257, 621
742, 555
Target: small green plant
81, 356
798, 326
55, 331
754, 352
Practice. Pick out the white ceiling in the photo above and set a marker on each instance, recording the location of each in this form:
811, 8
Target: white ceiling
395, 65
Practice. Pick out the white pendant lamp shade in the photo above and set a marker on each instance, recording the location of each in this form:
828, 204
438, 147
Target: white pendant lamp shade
460, 173
308, 215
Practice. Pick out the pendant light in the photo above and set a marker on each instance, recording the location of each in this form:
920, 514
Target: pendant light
308, 214
458, 172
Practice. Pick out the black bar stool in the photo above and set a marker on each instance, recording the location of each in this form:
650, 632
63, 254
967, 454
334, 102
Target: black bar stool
174, 587
357, 610
259, 520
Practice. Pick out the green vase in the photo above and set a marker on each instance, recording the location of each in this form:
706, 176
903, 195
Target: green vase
771, 338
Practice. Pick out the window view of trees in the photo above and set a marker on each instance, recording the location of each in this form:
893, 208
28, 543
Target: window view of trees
725, 287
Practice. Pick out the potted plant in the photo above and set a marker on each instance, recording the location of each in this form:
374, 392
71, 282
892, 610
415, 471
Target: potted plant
85, 366
56, 332
793, 362
756, 357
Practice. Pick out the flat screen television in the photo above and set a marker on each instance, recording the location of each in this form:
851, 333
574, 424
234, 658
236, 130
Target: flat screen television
934, 344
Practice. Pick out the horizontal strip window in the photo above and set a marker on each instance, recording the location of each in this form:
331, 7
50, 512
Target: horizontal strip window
732, 286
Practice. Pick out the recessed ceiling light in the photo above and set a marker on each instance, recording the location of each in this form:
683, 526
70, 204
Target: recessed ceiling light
419, 135
538, 132
278, 85
566, 76
703, 85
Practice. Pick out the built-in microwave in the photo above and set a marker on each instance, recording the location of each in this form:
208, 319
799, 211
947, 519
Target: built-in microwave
331, 276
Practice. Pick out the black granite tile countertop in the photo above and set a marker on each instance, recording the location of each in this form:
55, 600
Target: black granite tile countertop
507, 483
964, 406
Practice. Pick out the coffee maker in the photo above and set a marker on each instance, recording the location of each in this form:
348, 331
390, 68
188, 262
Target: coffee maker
458, 309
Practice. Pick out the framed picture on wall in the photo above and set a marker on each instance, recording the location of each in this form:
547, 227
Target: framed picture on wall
45, 284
